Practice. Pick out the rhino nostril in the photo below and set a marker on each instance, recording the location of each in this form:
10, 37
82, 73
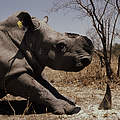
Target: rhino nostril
85, 61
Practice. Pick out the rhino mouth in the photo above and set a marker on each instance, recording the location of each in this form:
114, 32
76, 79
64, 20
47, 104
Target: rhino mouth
84, 61
71, 64
80, 65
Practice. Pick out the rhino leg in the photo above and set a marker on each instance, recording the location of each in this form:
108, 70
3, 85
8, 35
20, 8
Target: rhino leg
25, 86
2, 93
53, 90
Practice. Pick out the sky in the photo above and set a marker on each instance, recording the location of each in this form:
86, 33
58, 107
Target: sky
39, 8
59, 21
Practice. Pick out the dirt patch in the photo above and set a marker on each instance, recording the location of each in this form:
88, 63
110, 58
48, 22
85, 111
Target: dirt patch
88, 98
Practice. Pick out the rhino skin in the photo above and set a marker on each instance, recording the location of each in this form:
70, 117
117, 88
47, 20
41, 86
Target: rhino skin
59, 51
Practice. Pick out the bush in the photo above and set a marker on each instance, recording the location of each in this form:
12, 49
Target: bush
116, 49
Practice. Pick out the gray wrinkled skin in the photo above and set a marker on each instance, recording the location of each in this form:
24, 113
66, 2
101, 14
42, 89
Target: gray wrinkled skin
68, 52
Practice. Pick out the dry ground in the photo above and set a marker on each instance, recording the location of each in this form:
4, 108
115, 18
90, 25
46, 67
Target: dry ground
87, 88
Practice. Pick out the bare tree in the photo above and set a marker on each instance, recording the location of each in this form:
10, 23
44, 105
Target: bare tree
104, 15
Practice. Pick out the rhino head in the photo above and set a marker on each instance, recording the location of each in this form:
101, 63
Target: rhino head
59, 51
70, 52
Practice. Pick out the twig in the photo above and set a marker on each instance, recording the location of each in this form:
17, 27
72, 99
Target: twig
104, 10
117, 6
27, 107
11, 107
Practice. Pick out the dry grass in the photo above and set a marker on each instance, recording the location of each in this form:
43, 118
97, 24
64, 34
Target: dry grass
91, 75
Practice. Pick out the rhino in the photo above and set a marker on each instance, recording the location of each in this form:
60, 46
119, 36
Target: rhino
59, 51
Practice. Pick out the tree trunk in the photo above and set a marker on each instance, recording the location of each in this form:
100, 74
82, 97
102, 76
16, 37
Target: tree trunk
118, 71
108, 69
107, 62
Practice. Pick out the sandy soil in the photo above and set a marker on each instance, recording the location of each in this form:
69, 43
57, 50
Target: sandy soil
87, 97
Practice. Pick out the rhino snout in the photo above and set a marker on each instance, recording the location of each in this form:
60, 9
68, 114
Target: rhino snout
85, 61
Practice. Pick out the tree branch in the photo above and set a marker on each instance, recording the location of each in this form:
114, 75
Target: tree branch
104, 9
113, 32
95, 12
117, 6
91, 15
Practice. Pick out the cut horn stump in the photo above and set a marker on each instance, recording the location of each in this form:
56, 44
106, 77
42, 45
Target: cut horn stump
106, 102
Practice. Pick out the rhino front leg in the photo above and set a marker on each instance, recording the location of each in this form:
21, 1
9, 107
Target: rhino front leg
25, 86
53, 90
2, 93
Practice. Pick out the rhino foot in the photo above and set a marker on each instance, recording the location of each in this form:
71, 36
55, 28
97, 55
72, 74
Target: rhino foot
65, 108
73, 110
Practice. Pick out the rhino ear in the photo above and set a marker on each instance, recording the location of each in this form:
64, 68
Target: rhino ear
25, 20
45, 19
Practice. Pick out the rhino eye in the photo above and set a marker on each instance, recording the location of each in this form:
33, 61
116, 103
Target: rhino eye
61, 47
